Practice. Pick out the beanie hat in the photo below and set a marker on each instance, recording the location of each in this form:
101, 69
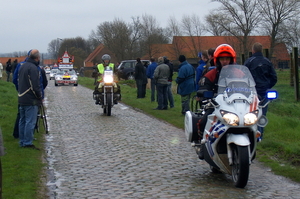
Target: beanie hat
181, 58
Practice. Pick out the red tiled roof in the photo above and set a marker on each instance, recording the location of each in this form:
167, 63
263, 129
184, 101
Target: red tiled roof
190, 46
96, 55
3, 60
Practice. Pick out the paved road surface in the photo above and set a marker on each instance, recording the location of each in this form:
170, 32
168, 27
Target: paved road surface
132, 155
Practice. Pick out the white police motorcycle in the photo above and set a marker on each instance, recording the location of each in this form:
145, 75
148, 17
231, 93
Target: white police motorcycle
230, 135
108, 91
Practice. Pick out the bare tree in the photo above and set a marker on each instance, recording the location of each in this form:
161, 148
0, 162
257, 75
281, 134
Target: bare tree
275, 13
115, 36
193, 28
290, 36
212, 25
152, 33
53, 48
241, 17
173, 29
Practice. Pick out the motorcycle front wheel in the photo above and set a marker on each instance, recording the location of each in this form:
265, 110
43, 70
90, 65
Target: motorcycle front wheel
240, 166
109, 104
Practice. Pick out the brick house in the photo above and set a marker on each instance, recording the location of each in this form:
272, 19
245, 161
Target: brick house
190, 46
96, 55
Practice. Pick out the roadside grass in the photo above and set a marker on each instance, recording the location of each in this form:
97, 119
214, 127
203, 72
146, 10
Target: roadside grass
22, 169
279, 149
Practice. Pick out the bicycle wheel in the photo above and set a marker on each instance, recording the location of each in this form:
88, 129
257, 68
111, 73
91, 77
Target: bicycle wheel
38, 119
44, 119
195, 105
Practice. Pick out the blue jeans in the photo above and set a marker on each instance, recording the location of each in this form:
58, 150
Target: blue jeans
170, 95
162, 96
28, 116
153, 88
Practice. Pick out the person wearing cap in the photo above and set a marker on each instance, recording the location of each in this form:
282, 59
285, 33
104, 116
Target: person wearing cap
223, 56
186, 83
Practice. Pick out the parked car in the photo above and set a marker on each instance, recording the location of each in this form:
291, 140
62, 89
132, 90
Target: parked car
66, 77
126, 69
52, 73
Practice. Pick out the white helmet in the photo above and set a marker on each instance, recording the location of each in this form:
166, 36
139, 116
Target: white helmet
105, 57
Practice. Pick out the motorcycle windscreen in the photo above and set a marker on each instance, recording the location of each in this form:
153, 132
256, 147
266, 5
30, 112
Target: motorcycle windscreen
236, 79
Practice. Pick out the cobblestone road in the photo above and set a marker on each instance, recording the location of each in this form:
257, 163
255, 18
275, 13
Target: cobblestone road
132, 155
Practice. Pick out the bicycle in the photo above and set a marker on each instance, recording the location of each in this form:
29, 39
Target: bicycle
195, 105
41, 121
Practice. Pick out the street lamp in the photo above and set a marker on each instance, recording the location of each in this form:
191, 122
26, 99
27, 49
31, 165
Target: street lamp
57, 47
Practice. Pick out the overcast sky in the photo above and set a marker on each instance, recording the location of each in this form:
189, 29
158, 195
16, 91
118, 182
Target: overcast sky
25, 25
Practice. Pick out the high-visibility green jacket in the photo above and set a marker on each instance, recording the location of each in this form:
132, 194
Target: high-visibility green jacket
101, 70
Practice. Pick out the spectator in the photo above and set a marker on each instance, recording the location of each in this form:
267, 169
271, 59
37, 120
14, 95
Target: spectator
186, 83
161, 76
8, 69
150, 71
210, 64
263, 73
81, 71
140, 79
1, 69
30, 97
202, 65
170, 79
13, 66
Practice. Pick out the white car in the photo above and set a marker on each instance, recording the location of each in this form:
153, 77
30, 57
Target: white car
66, 77
52, 73
47, 70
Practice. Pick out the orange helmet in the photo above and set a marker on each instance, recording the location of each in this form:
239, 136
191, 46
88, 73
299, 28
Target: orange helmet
224, 50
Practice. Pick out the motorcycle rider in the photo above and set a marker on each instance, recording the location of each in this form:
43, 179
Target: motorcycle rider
223, 55
101, 67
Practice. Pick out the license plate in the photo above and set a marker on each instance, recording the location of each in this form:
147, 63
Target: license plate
66, 82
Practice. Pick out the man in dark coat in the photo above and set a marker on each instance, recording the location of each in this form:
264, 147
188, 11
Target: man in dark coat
263, 74
30, 97
140, 78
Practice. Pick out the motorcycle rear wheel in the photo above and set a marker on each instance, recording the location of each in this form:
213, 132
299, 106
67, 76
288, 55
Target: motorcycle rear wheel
240, 166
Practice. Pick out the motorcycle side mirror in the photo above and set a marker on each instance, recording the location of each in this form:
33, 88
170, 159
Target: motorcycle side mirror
205, 93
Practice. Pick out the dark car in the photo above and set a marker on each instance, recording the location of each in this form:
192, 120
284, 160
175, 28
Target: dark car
126, 69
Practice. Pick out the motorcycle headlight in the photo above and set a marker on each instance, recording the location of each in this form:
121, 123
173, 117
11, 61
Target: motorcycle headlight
230, 118
250, 118
108, 79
